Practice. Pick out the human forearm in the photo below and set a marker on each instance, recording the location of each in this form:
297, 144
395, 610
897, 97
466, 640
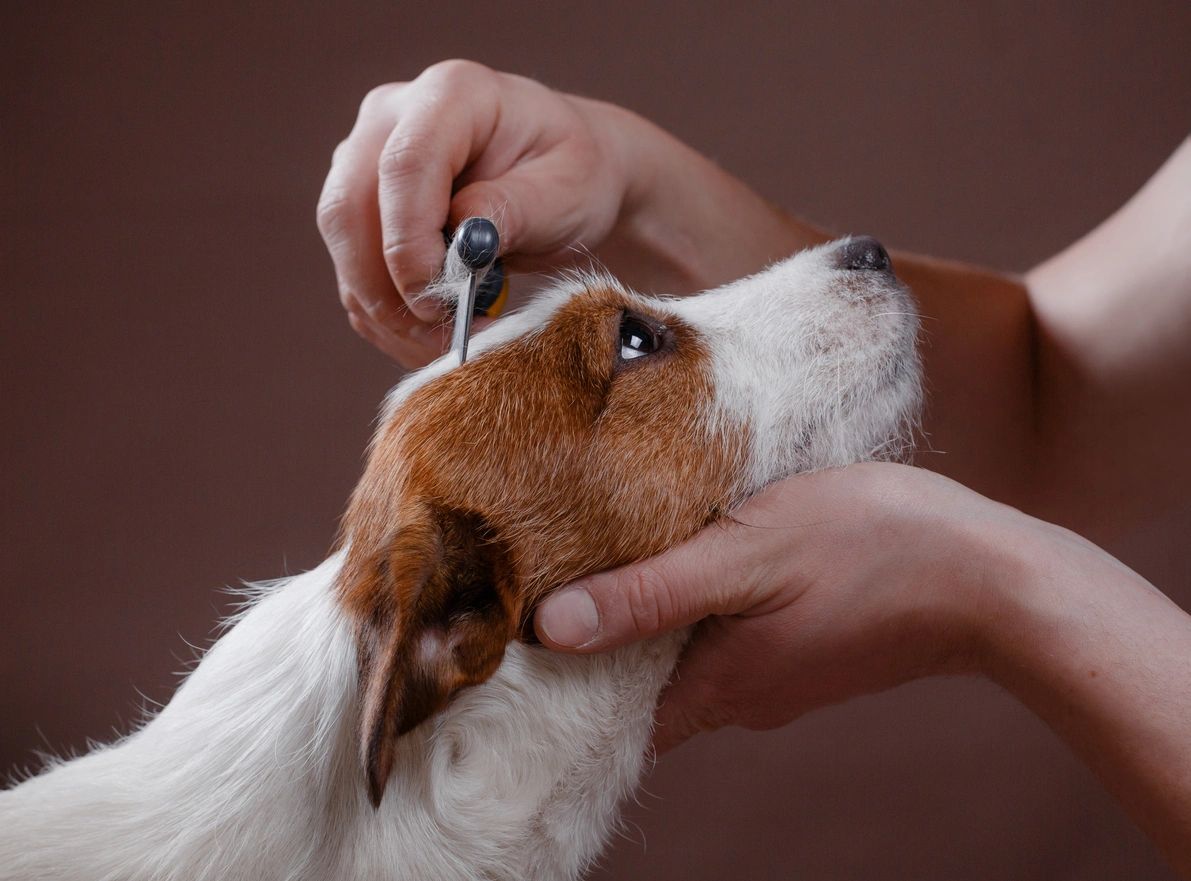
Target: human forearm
1114, 356
1105, 659
977, 346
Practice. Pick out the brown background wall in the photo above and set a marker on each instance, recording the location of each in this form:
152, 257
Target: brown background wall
184, 405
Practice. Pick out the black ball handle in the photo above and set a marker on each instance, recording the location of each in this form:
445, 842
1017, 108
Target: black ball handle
477, 242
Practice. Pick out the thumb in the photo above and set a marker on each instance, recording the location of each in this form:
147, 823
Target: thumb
664, 593
502, 201
533, 206
703, 691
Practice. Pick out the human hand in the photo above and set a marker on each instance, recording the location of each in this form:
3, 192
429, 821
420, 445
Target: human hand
825, 586
565, 178
850, 581
463, 140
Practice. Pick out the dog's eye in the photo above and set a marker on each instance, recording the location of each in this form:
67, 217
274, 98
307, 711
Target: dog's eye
637, 339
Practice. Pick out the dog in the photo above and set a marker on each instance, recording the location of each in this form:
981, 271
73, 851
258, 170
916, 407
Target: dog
388, 715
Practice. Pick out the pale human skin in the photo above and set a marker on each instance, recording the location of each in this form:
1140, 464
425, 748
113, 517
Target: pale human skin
1064, 394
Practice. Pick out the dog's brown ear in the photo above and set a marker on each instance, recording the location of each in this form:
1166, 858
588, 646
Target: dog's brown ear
436, 607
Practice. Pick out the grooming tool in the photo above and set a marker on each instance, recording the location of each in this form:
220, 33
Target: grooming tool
475, 243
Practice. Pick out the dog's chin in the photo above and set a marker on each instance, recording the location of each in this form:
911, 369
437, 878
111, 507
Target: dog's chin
900, 386
896, 381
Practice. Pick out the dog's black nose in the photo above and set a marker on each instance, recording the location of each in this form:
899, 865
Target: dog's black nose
864, 252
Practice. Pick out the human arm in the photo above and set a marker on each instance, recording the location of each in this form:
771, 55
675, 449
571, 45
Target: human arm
565, 177
1112, 391
1036, 396
939, 580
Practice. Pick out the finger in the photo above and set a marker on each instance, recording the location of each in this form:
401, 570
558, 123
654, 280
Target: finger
525, 205
677, 721
695, 701
373, 334
412, 349
349, 220
528, 174
672, 734
432, 143
701, 577
496, 200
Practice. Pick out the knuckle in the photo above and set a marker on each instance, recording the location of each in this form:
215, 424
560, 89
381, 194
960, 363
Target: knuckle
455, 72
648, 599
359, 325
703, 710
351, 303
402, 259
332, 213
405, 155
710, 713
340, 153
377, 97
380, 311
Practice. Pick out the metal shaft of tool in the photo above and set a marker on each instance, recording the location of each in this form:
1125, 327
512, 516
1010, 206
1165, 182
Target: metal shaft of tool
463, 312
476, 244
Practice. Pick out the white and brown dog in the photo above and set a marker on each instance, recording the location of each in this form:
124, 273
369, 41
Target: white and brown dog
380, 717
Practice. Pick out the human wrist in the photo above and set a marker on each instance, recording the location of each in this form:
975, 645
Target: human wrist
1046, 606
1008, 606
684, 223
955, 602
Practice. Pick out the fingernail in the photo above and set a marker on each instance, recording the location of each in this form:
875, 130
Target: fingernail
570, 618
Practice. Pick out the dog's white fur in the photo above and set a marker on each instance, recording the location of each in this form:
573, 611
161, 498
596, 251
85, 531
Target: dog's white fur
252, 770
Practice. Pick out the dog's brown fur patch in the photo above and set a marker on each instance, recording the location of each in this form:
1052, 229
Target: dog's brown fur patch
539, 461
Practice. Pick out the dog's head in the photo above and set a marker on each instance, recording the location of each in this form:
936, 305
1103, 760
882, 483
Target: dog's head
596, 427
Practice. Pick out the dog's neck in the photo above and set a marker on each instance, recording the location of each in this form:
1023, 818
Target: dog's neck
252, 770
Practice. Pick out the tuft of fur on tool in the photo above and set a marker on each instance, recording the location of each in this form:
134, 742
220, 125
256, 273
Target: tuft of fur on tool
451, 283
